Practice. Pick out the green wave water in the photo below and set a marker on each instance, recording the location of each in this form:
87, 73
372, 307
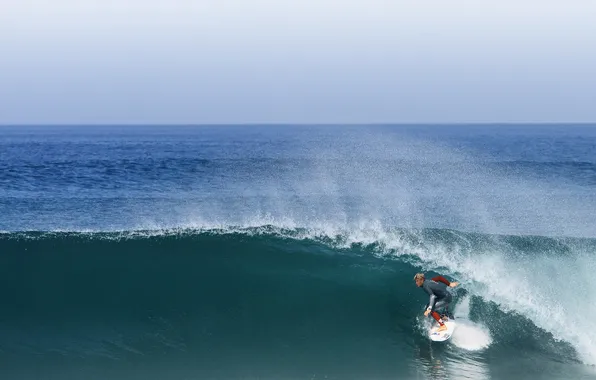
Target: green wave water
275, 303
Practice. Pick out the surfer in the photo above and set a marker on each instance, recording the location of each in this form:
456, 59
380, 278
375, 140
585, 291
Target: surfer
439, 296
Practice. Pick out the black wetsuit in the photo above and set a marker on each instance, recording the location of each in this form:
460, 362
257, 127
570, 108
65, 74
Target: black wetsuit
437, 290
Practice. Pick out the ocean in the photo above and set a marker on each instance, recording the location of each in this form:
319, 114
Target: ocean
289, 251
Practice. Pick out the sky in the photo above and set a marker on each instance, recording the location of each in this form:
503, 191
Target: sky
303, 61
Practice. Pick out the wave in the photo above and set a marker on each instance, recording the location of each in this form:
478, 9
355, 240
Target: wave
522, 292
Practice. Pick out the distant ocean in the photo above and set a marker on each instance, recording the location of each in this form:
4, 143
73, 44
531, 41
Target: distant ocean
288, 251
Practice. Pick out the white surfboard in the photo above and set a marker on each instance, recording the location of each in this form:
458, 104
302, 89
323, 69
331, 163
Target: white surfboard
441, 336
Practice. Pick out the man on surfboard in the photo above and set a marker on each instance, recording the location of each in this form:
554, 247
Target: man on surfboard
439, 296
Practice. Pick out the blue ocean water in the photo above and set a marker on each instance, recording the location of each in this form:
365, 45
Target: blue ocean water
288, 251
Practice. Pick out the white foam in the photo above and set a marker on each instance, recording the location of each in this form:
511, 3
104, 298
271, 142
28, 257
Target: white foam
471, 336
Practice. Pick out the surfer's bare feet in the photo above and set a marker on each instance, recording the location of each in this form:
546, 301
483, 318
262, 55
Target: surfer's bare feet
442, 328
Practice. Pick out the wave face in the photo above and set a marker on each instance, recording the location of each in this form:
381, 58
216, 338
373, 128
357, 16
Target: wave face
275, 303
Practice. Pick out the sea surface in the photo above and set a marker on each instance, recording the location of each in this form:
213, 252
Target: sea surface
288, 251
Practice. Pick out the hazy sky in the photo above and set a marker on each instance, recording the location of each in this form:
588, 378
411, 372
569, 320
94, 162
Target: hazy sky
243, 61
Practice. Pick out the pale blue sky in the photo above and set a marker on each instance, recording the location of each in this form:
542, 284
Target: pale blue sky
303, 61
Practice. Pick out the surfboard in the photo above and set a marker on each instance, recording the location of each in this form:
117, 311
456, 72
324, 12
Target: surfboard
442, 335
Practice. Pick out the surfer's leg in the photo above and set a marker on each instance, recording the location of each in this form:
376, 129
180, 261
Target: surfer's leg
448, 313
445, 314
443, 305
439, 306
437, 317
448, 301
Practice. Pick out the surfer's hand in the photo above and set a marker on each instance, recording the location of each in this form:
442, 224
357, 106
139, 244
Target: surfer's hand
454, 284
426, 313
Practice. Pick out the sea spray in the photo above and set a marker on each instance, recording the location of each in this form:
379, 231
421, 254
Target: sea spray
468, 334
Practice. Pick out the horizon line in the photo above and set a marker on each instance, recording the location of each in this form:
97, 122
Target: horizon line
486, 123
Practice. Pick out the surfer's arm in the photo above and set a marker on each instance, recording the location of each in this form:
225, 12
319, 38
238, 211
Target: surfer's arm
441, 279
431, 302
445, 281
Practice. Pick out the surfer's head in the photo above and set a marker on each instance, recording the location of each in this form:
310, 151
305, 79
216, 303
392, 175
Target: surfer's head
419, 279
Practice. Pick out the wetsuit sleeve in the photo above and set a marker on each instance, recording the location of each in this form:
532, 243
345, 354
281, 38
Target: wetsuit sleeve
431, 301
433, 297
441, 279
